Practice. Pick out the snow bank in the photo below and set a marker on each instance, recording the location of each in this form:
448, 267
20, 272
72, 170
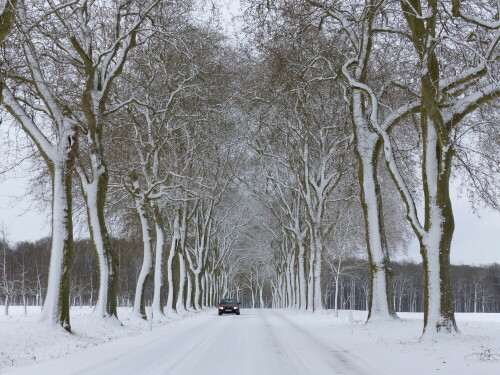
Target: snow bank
394, 347
23, 340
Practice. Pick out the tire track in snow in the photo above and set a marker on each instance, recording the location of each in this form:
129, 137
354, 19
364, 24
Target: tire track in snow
241, 345
147, 359
319, 357
281, 352
200, 356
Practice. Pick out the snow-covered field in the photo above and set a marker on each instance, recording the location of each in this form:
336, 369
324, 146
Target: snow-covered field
257, 342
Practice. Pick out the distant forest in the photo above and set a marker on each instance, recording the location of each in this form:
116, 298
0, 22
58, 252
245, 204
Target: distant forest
24, 270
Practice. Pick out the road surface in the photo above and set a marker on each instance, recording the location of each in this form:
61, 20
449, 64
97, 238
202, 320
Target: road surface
258, 342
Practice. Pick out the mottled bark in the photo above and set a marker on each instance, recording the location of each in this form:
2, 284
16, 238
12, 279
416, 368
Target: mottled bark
7, 18
435, 241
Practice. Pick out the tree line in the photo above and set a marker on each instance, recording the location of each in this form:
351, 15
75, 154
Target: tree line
331, 130
476, 289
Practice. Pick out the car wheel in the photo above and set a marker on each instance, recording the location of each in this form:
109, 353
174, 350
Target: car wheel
237, 313
220, 313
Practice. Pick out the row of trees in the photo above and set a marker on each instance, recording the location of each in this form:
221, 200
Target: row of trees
25, 272
128, 98
349, 84
264, 166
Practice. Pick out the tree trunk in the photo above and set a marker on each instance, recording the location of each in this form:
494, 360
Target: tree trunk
475, 298
189, 291
147, 261
158, 275
288, 292
336, 296
170, 261
310, 282
180, 303
197, 291
302, 277
94, 193
56, 306
211, 293
439, 226
203, 291
367, 150
435, 238
318, 259
7, 18
6, 305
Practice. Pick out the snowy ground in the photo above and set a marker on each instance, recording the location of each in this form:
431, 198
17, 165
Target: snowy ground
257, 342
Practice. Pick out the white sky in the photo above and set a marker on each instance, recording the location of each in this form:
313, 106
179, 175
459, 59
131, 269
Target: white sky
22, 221
476, 239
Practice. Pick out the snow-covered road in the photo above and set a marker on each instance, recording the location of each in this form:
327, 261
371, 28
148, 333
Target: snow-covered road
256, 342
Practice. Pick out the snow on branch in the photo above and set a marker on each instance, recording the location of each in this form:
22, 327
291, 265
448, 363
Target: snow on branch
462, 79
458, 12
388, 151
339, 16
391, 30
470, 103
44, 90
17, 111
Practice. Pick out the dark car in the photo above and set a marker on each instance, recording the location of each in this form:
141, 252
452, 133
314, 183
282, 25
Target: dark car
229, 306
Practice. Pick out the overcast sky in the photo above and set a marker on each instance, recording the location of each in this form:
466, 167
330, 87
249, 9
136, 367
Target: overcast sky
476, 239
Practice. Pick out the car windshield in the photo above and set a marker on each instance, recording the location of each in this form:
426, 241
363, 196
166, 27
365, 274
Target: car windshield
226, 301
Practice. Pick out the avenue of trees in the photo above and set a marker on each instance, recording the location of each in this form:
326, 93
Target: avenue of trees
286, 169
